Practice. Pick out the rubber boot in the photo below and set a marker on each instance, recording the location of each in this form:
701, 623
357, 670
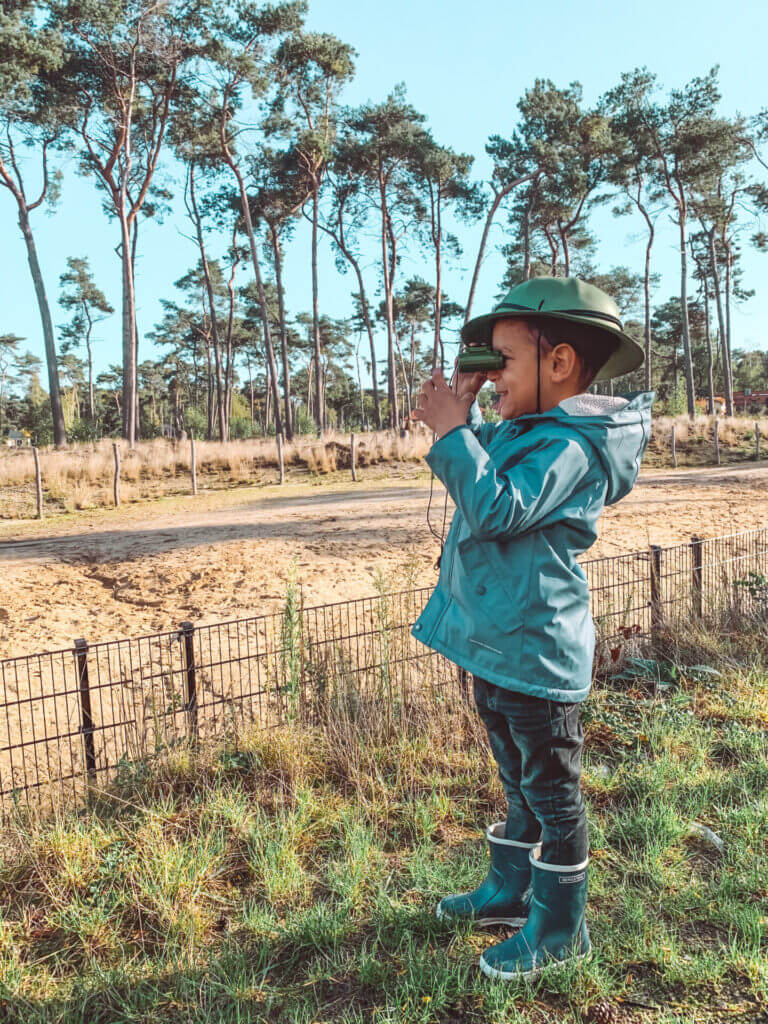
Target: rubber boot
555, 932
503, 897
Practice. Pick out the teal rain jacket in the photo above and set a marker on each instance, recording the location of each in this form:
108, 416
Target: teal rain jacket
511, 603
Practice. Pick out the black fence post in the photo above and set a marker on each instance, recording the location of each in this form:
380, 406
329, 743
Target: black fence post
697, 562
188, 637
655, 590
86, 719
464, 684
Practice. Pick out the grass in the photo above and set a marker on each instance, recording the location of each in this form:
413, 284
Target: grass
81, 476
292, 875
695, 440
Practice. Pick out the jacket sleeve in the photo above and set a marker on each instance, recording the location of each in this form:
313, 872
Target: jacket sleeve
499, 505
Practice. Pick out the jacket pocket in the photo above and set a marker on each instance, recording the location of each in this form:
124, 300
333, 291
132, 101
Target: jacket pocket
482, 587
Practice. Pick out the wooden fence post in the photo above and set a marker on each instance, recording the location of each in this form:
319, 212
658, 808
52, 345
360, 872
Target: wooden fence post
280, 462
116, 488
674, 448
697, 563
38, 483
717, 440
190, 677
193, 463
757, 441
352, 449
86, 718
655, 590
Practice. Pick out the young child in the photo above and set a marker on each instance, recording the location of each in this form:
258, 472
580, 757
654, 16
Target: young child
511, 604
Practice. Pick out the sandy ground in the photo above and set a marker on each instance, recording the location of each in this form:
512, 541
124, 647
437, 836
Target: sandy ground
143, 569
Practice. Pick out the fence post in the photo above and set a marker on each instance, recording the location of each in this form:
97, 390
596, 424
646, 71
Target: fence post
352, 448
655, 590
116, 488
674, 448
38, 483
193, 462
190, 676
717, 440
697, 562
464, 684
280, 462
86, 719
757, 441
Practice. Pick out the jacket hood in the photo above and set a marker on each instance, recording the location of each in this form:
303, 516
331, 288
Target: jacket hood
618, 428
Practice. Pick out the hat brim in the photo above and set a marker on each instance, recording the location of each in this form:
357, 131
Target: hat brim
627, 357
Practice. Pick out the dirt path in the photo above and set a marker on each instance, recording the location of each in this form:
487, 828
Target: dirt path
145, 568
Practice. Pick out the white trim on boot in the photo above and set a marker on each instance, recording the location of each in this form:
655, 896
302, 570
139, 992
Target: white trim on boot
492, 837
537, 862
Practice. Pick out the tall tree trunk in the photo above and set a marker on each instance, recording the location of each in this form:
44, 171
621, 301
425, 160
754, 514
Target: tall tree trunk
647, 299
553, 248
689, 391
250, 386
229, 365
341, 242
729, 347
246, 211
268, 395
497, 200
527, 234
220, 411
54, 389
369, 329
134, 243
129, 347
708, 335
209, 392
320, 407
91, 402
407, 388
413, 355
359, 384
566, 252
438, 238
323, 375
283, 331
725, 356
394, 414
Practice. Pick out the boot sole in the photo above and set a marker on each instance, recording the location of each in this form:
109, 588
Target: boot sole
482, 922
497, 975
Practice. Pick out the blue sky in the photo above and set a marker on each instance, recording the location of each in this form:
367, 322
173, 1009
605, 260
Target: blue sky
465, 67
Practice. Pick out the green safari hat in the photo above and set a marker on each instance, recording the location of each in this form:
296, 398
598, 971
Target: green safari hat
562, 298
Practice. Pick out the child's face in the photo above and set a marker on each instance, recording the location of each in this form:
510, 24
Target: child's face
516, 382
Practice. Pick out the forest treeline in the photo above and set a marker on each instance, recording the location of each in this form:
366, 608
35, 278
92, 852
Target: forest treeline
238, 111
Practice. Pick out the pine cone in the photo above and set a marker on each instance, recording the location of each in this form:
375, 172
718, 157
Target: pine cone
603, 1013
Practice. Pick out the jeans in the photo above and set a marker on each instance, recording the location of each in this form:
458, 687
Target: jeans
537, 745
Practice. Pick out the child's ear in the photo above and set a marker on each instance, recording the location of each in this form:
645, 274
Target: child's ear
564, 362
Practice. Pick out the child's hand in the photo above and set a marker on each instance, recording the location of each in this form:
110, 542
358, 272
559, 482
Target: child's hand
468, 383
440, 407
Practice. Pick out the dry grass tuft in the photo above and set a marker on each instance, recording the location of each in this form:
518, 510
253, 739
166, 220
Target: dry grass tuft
80, 476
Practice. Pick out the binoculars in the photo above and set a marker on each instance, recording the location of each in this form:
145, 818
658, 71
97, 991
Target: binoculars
475, 358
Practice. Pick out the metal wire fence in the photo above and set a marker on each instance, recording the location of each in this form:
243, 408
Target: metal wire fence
71, 719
